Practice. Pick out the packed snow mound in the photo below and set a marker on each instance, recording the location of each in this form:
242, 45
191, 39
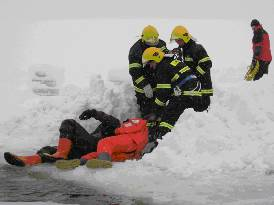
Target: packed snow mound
44, 115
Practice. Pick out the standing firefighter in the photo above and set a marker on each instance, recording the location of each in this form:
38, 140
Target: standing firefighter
195, 56
261, 52
177, 88
143, 80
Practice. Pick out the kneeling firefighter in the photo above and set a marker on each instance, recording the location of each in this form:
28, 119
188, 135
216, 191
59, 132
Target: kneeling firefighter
177, 88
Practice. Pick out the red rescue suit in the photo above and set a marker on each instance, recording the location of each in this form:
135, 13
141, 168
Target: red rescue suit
128, 142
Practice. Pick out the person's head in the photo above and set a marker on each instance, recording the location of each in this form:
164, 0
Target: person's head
181, 35
254, 23
152, 56
150, 35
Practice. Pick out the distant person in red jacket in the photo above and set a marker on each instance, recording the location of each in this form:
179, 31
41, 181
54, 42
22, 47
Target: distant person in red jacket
261, 49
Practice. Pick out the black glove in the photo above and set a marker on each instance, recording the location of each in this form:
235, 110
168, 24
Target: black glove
88, 114
83, 161
176, 51
253, 63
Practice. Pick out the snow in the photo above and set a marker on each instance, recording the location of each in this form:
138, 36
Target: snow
218, 157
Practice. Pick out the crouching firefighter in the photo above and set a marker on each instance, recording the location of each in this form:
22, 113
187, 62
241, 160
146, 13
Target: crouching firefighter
177, 88
195, 56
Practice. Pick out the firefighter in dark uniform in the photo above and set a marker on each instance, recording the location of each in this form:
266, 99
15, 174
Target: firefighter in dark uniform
143, 80
177, 88
195, 56
261, 49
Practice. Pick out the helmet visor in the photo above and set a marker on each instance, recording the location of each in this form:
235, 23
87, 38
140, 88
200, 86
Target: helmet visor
174, 37
152, 41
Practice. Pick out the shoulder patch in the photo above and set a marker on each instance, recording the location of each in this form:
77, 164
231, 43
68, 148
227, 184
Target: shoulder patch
175, 62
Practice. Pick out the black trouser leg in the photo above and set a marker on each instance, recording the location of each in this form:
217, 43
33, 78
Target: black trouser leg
266, 67
173, 111
144, 103
82, 141
263, 69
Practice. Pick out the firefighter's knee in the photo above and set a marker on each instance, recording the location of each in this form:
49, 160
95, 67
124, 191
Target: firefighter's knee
67, 128
201, 103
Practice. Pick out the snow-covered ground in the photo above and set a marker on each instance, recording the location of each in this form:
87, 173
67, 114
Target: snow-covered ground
219, 157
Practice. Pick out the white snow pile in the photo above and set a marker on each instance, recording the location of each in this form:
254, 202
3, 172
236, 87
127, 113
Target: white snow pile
39, 125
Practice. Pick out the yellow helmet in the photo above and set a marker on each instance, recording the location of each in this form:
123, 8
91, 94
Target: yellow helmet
152, 54
150, 35
180, 32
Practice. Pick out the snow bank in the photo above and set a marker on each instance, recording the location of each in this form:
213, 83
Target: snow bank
234, 136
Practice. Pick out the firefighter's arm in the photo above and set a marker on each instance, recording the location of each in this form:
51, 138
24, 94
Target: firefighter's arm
101, 116
136, 70
107, 119
258, 42
163, 89
163, 47
204, 61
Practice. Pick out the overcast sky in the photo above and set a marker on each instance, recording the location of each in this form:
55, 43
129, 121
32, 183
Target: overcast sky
66, 9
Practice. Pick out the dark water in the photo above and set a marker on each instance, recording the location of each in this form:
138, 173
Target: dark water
23, 185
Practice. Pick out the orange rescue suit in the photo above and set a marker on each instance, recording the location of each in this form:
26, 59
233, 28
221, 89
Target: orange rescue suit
127, 143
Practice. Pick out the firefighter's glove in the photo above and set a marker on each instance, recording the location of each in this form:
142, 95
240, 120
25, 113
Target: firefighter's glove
148, 91
83, 161
88, 114
177, 91
176, 51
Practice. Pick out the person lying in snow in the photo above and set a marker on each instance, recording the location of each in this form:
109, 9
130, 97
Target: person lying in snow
111, 141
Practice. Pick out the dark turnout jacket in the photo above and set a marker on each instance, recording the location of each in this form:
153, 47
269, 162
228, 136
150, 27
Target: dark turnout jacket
170, 74
141, 76
195, 56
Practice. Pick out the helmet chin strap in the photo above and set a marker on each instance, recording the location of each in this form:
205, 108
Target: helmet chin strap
152, 65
